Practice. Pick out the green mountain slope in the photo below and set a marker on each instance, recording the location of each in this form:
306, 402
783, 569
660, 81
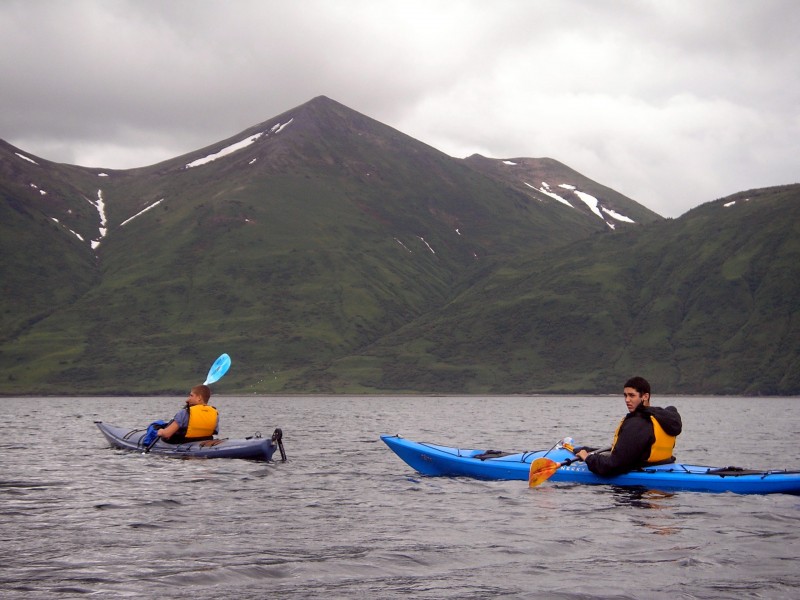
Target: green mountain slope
327, 252
45, 224
705, 304
298, 241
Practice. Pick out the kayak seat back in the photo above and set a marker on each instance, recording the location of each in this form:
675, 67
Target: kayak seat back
733, 471
492, 454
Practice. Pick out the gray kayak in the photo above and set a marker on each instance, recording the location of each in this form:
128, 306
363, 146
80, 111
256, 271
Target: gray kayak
250, 448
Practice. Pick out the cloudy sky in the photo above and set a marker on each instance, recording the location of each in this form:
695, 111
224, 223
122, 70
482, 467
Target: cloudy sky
670, 102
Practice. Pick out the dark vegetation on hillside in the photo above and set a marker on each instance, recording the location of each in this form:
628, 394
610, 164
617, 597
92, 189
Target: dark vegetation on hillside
337, 255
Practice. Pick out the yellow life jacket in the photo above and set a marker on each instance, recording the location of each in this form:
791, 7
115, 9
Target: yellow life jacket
661, 450
202, 422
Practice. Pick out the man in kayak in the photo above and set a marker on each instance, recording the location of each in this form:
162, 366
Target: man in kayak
646, 435
197, 422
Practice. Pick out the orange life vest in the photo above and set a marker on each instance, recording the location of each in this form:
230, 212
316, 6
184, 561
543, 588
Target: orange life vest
661, 450
202, 422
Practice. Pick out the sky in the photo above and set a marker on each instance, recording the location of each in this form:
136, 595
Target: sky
671, 102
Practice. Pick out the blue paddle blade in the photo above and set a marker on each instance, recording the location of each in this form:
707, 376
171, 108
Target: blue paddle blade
218, 369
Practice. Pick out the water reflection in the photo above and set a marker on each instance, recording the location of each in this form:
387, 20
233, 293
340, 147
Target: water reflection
640, 497
660, 523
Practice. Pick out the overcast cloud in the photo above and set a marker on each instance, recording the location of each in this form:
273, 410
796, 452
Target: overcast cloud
672, 103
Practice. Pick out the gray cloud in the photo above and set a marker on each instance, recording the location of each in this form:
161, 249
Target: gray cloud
671, 103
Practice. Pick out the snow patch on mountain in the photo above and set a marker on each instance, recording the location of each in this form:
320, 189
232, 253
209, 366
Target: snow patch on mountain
733, 202
403, 245
141, 212
224, 152
592, 203
597, 207
545, 189
101, 210
589, 201
427, 244
615, 215
75, 233
23, 157
276, 129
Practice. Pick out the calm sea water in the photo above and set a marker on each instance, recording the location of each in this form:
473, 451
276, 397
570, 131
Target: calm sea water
345, 518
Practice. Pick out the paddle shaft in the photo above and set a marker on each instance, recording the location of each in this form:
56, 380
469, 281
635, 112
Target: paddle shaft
543, 468
569, 461
150, 445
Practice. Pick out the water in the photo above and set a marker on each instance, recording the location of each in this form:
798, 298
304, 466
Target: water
345, 518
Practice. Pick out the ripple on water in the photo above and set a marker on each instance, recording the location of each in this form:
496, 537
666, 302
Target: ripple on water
346, 518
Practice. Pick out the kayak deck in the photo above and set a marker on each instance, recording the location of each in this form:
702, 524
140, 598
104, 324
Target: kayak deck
437, 460
253, 448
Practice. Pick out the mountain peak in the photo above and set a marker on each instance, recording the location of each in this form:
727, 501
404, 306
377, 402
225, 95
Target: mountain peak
549, 180
334, 253
318, 132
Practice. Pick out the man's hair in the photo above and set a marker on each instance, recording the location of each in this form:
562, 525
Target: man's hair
640, 384
203, 391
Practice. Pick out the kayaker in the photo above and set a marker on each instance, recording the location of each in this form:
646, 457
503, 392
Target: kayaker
646, 435
197, 422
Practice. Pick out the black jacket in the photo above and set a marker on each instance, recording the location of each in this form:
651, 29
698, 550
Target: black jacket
634, 441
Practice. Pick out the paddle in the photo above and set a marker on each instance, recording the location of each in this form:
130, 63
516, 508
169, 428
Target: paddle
218, 369
215, 373
543, 468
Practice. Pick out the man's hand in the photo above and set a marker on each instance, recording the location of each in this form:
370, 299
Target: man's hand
581, 453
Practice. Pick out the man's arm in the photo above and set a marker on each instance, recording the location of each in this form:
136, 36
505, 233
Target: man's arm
168, 431
633, 443
181, 419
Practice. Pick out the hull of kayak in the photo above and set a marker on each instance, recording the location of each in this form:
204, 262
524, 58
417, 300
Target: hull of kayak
435, 460
255, 448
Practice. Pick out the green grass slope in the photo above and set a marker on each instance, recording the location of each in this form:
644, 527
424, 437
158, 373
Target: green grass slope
45, 228
324, 234
707, 303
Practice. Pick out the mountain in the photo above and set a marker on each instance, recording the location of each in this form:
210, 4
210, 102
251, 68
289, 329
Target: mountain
705, 304
535, 176
327, 252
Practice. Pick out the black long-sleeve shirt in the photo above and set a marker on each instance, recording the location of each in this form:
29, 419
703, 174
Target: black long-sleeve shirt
635, 440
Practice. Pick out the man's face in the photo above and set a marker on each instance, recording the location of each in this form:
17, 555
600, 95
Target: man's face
633, 399
194, 399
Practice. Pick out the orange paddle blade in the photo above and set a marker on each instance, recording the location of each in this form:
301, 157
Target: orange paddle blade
541, 470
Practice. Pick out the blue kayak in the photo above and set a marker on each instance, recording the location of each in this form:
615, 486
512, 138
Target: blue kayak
435, 460
251, 448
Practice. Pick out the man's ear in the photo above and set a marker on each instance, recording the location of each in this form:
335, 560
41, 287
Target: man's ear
646, 399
